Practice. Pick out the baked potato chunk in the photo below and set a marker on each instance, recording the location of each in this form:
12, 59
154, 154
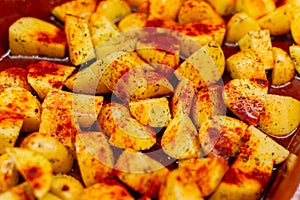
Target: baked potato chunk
106, 191
10, 127
9, 176
133, 20
284, 69
281, 115
79, 40
92, 149
19, 192
31, 36
80, 8
141, 173
180, 138
61, 160
224, 8
208, 103
294, 51
277, 21
180, 184
50, 196
114, 10
35, 169
194, 11
66, 187
206, 172
164, 9
295, 25
239, 25
14, 77
260, 41
246, 63
21, 101
246, 98
221, 135
153, 112
45, 75
255, 9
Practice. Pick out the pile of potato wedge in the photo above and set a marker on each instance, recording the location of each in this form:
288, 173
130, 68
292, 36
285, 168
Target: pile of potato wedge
141, 110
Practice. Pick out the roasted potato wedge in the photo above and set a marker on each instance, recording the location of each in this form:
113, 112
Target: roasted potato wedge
20, 192
239, 25
223, 8
61, 160
164, 9
153, 112
79, 39
284, 70
50, 196
10, 127
9, 176
221, 135
179, 184
295, 25
14, 77
35, 169
44, 75
133, 20
245, 98
107, 191
80, 8
294, 52
261, 42
281, 115
179, 140
92, 149
31, 36
246, 63
255, 9
207, 172
66, 187
141, 173
21, 101
114, 10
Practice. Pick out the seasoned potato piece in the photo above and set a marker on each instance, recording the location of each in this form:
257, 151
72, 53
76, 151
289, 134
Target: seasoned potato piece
10, 127
180, 184
283, 70
295, 26
204, 31
111, 116
35, 169
194, 11
224, 7
180, 138
133, 20
246, 63
50, 196
114, 10
66, 187
207, 172
79, 39
107, 191
101, 28
9, 176
256, 8
281, 115
246, 98
20, 192
260, 41
92, 149
50, 148
32, 36
141, 173
21, 101
208, 103
294, 51
14, 77
129, 133
204, 67
153, 112
239, 25
221, 135
263, 146
277, 21
167, 9
88, 80
45, 75
80, 8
